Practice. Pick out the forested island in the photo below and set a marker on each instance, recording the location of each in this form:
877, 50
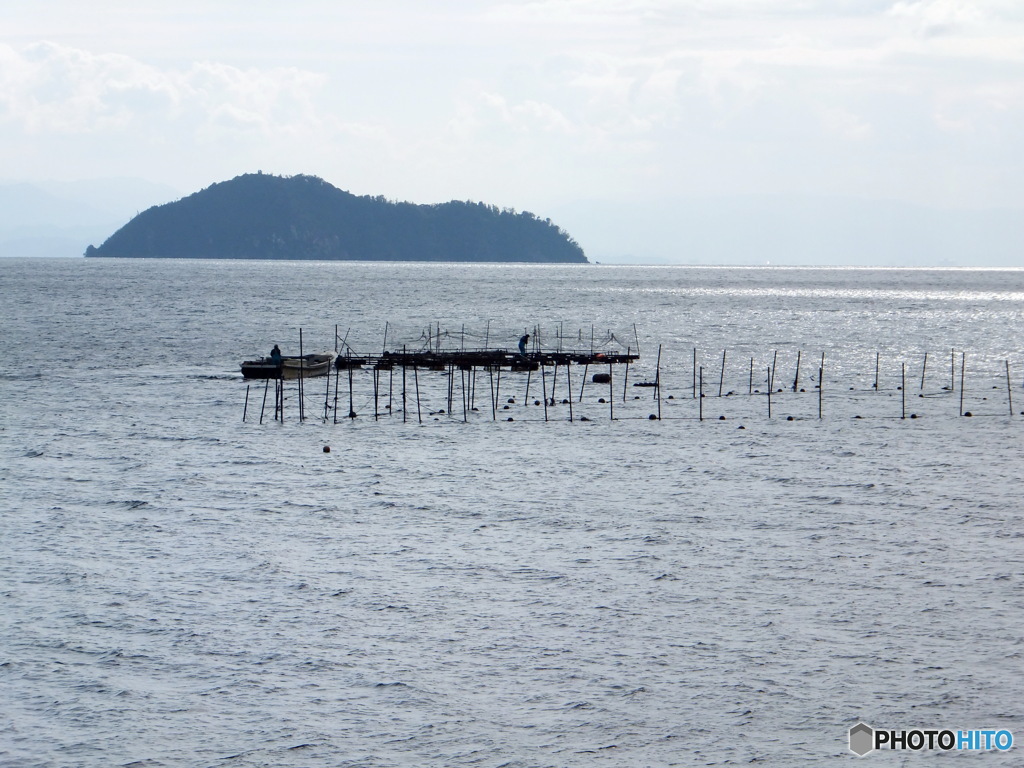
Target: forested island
261, 216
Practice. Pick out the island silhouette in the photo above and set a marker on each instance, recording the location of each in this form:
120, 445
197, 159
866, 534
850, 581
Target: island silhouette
263, 216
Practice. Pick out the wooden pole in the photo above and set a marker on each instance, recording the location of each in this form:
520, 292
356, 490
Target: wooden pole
583, 382
952, 370
924, 367
770, 382
963, 365
245, 408
554, 380
404, 401
497, 389
376, 393
878, 356
750, 386
636, 338
796, 379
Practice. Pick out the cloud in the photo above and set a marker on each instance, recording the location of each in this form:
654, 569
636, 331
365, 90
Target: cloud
52, 89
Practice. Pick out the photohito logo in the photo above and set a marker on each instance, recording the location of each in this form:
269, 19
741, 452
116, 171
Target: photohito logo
864, 739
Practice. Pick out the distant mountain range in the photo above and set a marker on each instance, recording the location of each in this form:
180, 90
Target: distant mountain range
261, 216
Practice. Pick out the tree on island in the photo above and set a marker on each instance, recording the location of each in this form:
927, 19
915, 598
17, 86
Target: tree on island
260, 216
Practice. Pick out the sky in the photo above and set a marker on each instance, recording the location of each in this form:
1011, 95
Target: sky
617, 118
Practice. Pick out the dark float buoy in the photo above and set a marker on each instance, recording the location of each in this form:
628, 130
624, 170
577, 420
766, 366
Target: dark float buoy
510, 419
505, 408
510, 400
601, 378
790, 418
327, 449
584, 418
913, 415
721, 418
600, 400
536, 402
671, 397
740, 427
653, 417
968, 413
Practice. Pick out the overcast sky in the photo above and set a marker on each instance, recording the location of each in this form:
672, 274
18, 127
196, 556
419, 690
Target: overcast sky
534, 105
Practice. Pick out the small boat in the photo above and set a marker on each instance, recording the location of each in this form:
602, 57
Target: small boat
292, 367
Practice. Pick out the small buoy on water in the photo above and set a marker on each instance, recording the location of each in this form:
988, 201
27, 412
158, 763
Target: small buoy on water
509, 419
510, 400
600, 400
802, 389
789, 418
740, 427
653, 417
327, 449
601, 378
858, 417
584, 418
505, 408
536, 402
671, 397
968, 413
565, 402
721, 418
913, 415
351, 414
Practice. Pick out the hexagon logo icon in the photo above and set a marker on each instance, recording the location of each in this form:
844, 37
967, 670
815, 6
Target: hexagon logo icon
862, 739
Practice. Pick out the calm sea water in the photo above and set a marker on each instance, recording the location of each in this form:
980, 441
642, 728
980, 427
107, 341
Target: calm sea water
184, 588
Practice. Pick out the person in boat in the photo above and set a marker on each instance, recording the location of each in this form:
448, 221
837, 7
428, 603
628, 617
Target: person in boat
276, 357
522, 344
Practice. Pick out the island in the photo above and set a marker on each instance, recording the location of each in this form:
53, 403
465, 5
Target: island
263, 216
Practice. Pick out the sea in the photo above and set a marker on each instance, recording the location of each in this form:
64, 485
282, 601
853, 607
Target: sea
508, 569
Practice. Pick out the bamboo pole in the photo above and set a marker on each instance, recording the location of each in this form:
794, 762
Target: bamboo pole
416, 378
351, 404
878, 356
721, 378
770, 382
568, 386
544, 389
265, 388
963, 365
245, 408
657, 381
404, 399
611, 395
694, 372
700, 397
796, 379
302, 371
1009, 392
903, 389
750, 385
625, 381
924, 368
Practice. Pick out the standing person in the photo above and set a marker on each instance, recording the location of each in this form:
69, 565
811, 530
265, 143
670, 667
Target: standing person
522, 344
276, 357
